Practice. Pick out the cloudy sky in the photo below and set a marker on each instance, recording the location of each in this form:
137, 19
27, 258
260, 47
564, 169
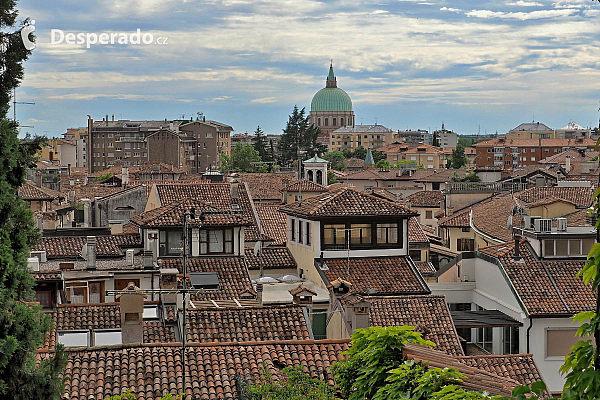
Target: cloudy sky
480, 64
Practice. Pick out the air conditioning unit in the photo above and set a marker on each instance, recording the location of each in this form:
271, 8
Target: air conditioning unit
542, 225
561, 224
34, 264
529, 222
129, 256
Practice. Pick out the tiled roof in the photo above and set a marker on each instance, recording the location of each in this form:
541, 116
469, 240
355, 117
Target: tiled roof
232, 272
459, 219
90, 191
274, 223
491, 217
304, 185
443, 175
102, 316
217, 195
429, 315
152, 371
560, 158
30, 192
520, 367
343, 203
267, 186
384, 194
544, 287
426, 268
271, 258
173, 214
354, 162
247, 324
383, 275
395, 148
70, 246
47, 275
581, 196
424, 149
415, 232
426, 198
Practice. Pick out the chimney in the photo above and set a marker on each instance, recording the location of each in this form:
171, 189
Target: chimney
568, 164
113, 117
517, 247
302, 295
148, 259
131, 304
124, 176
259, 293
357, 312
91, 252
106, 119
235, 190
168, 280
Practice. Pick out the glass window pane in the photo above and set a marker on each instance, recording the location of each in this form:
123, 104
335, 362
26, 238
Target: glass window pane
175, 242
561, 247
228, 234
587, 246
215, 241
360, 233
73, 339
203, 235
150, 312
549, 247
574, 247
95, 292
103, 338
327, 235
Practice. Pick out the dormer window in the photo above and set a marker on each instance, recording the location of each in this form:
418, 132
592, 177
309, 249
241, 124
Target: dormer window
336, 236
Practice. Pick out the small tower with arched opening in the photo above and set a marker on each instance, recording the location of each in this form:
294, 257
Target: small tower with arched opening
315, 170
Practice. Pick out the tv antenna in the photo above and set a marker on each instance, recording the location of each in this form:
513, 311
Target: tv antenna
15, 102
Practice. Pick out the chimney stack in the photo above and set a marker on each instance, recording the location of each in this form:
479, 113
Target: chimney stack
517, 247
302, 295
259, 293
148, 259
124, 176
131, 304
106, 120
91, 252
568, 164
357, 312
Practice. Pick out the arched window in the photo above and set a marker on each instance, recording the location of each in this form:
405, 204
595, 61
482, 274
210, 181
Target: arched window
319, 122
334, 122
326, 121
320, 177
342, 121
310, 175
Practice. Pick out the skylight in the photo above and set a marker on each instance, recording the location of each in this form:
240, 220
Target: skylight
73, 338
151, 312
103, 338
204, 280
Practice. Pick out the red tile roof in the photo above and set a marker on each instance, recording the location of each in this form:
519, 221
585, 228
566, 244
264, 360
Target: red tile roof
304, 185
70, 246
429, 315
285, 322
415, 232
520, 367
424, 149
30, 192
459, 219
442, 175
580, 196
267, 186
343, 203
152, 371
383, 275
274, 223
426, 198
271, 258
233, 275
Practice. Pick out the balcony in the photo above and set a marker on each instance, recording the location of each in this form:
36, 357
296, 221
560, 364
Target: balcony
489, 187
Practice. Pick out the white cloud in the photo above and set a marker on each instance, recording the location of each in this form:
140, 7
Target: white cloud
220, 98
264, 100
456, 10
522, 16
522, 3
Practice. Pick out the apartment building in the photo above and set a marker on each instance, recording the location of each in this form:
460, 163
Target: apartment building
123, 142
531, 130
513, 153
367, 136
446, 138
419, 136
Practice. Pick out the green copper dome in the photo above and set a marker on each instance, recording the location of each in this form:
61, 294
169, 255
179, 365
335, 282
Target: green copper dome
331, 98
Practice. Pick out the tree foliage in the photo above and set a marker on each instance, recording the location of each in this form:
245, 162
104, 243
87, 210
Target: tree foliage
458, 159
244, 155
22, 326
295, 385
129, 395
336, 160
261, 145
299, 138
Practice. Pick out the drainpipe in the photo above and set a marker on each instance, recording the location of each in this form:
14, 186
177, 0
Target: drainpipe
529, 333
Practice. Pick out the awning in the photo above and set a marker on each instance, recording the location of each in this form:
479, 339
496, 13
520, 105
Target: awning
482, 319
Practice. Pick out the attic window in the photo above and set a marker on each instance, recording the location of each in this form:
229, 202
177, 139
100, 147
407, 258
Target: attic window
204, 280
73, 338
235, 206
103, 338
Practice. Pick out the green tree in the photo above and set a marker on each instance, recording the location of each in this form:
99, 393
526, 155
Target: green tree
436, 139
243, 157
22, 326
331, 178
378, 156
383, 164
466, 142
336, 160
129, 395
260, 144
458, 159
299, 138
295, 385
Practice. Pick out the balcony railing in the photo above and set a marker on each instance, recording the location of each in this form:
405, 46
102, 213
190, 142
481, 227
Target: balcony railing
477, 187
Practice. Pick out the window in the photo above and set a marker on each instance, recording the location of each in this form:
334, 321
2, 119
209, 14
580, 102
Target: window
484, 338
319, 122
150, 312
170, 243
387, 233
103, 338
300, 238
334, 122
428, 214
342, 121
532, 158
415, 255
44, 297
511, 340
77, 292
559, 341
465, 244
326, 121
209, 135
334, 235
216, 241
308, 233
74, 338
465, 229
360, 234
293, 230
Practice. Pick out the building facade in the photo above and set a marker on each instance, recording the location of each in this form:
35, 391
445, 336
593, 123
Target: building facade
367, 136
331, 108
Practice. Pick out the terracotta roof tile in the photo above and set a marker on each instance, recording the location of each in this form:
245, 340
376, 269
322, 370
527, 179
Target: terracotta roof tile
247, 324
70, 246
271, 258
443, 175
415, 232
232, 272
459, 219
384, 275
345, 202
267, 186
580, 196
520, 367
273, 221
426, 268
304, 185
29, 191
151, 371
426, 198
429, 315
